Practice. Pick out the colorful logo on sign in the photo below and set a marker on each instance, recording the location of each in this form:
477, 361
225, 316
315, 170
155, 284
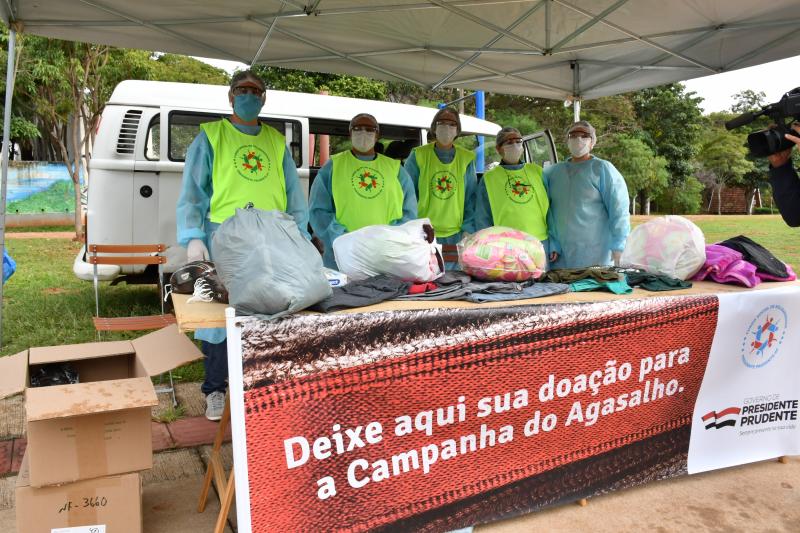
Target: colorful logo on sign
720, 419
252, 163
443, 185
367, 182
764, 336
518, 189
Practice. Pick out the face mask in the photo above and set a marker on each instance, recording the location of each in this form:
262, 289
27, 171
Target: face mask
445, 134
512, 153
579, 146
247, 106
362, 141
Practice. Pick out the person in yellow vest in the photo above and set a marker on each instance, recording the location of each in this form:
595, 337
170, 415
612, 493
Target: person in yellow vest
231, 162
444, 179
513, 194
358, 188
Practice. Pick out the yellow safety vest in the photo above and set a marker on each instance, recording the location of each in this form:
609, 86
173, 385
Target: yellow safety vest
442, 188
518, 199
247, 168
366, 192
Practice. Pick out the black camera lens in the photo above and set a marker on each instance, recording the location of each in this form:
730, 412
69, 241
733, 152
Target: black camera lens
767, 142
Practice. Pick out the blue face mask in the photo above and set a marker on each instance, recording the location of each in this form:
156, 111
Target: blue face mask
247, 106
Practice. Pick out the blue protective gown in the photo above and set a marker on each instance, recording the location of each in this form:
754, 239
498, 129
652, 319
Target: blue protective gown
470, 184
322, 210
588, 216
194, 202
483, 208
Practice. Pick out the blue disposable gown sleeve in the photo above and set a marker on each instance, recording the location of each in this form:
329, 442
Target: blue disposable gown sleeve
194, 200
296, 204
323, 212
554, 245
483, 209
412, 169
470, 184
409, 198
614, 192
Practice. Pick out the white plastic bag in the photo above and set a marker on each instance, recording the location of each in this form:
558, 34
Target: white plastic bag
267, 265
407, 252
669, 245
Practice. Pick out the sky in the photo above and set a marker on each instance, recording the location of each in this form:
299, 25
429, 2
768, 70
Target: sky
717, 91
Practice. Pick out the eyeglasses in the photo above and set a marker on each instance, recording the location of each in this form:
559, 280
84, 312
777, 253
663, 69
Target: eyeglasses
512, 141
579, 135
247, 89
370, 129
447, 123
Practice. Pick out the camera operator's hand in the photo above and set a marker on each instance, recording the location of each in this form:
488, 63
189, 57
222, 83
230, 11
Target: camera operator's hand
779, 159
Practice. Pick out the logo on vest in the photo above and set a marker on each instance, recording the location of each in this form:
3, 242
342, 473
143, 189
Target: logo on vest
252, 163
443, 185
518, 189
367, 182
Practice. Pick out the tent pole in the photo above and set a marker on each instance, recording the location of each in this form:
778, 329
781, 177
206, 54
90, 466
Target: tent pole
12, 38
480, 112
576, 91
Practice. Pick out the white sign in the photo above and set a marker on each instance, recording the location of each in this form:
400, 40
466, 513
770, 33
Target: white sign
749, 403
80, 529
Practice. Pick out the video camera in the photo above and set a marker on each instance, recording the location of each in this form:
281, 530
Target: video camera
767, 142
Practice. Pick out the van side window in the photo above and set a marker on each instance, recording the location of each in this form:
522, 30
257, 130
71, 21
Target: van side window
152, 146
184, 127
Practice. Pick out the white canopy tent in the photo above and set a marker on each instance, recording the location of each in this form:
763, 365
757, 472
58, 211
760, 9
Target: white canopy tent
560, 49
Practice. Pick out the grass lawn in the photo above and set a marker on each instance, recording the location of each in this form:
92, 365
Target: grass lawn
45, 304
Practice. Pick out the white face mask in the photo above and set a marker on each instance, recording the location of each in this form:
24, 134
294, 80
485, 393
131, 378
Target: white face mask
579, 146
363, 141
446, 134
512, 153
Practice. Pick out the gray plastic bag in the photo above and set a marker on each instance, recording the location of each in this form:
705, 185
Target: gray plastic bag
267, 265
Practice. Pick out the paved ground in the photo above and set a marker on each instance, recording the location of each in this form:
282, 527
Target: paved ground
40, 235
758, 497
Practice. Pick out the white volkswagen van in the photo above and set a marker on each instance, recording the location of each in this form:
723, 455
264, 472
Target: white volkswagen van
147, 126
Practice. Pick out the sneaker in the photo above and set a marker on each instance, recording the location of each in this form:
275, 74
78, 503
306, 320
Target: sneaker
215, 404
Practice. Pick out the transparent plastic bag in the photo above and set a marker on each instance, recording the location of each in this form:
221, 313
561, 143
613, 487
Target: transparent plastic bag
267, 265
671, 245
502, 254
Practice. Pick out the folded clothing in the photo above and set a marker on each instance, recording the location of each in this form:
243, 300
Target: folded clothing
754, 253
618, 286
726, 265
363, 292
654, 282
535, 290
569, 275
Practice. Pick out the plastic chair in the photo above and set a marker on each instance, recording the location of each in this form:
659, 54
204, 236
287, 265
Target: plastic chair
115, 254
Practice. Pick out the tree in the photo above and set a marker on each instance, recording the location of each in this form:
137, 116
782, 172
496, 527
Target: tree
645, 174
284, 79
671, 124
723, 161
749, 101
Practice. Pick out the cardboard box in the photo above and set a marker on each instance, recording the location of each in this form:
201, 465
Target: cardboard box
114, 502
100, 426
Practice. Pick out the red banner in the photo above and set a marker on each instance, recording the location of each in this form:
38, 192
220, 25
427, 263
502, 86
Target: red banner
440, 407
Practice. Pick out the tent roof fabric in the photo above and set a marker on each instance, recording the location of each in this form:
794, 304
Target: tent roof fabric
543, 48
